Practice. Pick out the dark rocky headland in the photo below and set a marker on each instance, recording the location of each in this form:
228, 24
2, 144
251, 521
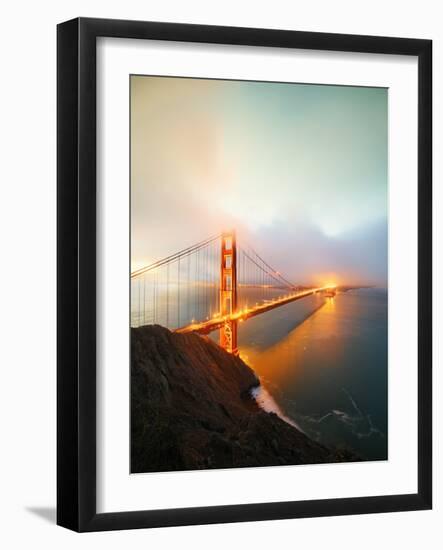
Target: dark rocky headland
191, 409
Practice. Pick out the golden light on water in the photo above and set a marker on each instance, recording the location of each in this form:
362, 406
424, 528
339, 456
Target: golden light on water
287, 360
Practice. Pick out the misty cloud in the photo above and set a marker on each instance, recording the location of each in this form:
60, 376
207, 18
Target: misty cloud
299, 170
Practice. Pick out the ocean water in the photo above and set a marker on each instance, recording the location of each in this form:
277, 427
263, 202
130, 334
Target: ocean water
324, 363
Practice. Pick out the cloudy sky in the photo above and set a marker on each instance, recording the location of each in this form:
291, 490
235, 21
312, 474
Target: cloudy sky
299, 170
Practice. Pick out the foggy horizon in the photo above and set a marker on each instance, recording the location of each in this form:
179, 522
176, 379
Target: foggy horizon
299, 171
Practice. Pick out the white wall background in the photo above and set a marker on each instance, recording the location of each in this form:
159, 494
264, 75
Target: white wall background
27, 286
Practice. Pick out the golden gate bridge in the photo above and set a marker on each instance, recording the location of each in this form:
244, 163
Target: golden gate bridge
212, 285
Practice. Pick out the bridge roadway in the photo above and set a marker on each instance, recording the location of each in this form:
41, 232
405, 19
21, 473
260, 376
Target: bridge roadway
205, 327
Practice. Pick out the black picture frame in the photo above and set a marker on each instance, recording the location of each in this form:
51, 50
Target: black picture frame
76, 280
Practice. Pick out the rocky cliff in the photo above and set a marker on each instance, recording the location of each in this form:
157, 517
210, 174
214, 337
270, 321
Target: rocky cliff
191, 409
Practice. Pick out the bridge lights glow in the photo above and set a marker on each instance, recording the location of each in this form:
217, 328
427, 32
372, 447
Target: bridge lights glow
331, 285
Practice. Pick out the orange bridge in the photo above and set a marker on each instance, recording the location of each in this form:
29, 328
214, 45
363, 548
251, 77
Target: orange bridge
210, 286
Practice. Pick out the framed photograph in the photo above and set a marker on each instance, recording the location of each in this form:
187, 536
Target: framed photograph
244, 274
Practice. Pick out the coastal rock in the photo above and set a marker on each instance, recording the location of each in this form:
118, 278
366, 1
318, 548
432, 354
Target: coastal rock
191, 409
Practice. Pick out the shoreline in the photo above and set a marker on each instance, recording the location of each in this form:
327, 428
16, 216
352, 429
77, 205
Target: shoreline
192, 407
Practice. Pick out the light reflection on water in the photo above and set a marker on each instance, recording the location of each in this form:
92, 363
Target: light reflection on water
329, 373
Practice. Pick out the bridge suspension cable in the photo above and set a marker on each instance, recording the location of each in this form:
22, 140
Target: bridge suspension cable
274, 271
268, 269
178, 289
175, 257
184, 288
260, 267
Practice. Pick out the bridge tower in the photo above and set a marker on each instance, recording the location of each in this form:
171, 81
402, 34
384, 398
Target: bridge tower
228, 291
